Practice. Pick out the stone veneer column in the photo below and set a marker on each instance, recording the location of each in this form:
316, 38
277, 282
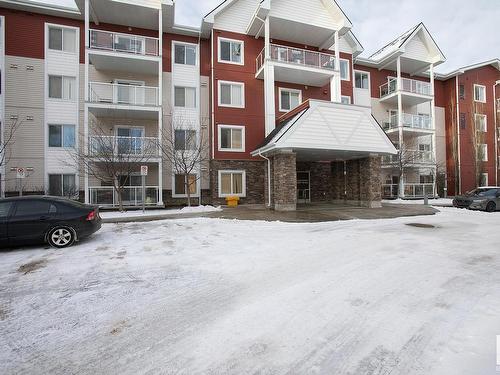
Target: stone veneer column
285, 181
370, 192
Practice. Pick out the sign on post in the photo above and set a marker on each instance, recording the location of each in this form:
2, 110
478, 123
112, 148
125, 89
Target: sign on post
144, 170
21, 172
144, 173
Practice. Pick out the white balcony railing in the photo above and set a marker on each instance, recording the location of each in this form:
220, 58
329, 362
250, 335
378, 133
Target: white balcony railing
127, 43
115, 146
410, 157
297, 56
407, 85
409, 121
411, 190
131, 196
115, 93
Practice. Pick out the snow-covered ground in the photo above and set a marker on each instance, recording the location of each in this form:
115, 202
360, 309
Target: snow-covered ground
213, 296
165, 212
432, 202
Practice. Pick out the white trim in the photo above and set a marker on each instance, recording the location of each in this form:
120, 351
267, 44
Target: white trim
348, 70
484, 176
119, 81
62, 147
476, 115
241, 84
186, 87
2, 105
484, 147
237, 127
474, 93
77, 38
181, 43
231, 171
345, 96
219, 39
286, 89
62, 99
198, 181
369, 80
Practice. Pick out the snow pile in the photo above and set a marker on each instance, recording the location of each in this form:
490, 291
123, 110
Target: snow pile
164, 212
431, 202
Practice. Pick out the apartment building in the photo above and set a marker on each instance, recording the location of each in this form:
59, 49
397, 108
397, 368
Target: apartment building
290, 110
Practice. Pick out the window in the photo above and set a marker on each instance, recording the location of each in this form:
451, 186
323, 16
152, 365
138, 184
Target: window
231, 138
424, 147
62, 185
484, 182
185, 54
180, 183
61, 87
231, 94
185, 139
289, 99
32, 208
62, 39
231, 51
426, 179
361, 80
461, 91
61, 136
344, 70
462, 119
480, 93
4, 209
232, 183
185, 97
480, 122
482, 152
345, 99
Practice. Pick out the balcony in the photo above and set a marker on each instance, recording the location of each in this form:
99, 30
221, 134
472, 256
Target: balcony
123, 148
410, 157
413, 91
411, 190
105, 196
411, 122
124, 52
295, 65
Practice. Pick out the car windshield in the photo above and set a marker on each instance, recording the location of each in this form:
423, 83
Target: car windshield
482, 192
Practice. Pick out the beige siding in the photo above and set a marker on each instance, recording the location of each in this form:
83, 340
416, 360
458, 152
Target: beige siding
109, 76
416, 49
24, 82
315, 15
440, 138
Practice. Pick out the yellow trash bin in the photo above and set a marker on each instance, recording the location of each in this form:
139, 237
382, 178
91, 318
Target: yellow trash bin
232, 201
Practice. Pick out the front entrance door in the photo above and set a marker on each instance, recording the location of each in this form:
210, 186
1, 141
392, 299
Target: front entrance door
303, 187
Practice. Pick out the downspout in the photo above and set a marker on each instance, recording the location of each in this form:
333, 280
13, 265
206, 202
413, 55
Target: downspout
268, 178
458, 138
212, 90
497, 134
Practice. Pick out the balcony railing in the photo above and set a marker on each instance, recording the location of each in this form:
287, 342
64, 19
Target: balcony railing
296, 56
409, 121
411, 190
407, 85
410, 157
110, 147
131, 196
127, 43
115, 93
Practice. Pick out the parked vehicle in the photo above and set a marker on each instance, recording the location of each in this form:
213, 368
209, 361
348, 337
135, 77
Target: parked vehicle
42, 219
486, 198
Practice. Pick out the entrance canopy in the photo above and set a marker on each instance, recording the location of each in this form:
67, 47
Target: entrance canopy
324, 131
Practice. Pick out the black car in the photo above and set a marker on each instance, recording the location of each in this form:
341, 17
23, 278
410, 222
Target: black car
485, 198
38, 219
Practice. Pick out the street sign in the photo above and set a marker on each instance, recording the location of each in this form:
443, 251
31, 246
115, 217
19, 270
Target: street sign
20, 172
144, 170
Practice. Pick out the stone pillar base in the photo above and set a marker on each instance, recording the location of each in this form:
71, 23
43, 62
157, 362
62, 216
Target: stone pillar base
285, 207
284, 181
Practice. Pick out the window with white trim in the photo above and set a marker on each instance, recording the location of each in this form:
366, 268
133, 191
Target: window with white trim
482, 152
480, 120
62, 39
231, 138
484, 179
345, 99
231, 94
185, 97
62, 87
185, 139
361, 80
62, 136
232, 183
231, 51
62, 185
184, 54
182, 181
289, 99
344, 70
480, 93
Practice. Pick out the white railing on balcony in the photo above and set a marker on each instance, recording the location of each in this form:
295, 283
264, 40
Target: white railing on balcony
128, 43
115, 93
114, 146
411, 190
407, 85
410, 157
131, 196
297, 56
409, 121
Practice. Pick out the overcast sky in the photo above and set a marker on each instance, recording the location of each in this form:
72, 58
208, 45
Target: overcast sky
465, 30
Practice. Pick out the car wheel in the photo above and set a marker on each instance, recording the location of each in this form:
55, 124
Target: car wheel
61, 237
491, 206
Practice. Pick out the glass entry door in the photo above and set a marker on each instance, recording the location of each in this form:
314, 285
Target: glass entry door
303, 187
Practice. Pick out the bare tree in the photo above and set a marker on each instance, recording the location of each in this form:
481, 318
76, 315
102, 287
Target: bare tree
453, 141
477, 139
186, 149
113, 160
7, 140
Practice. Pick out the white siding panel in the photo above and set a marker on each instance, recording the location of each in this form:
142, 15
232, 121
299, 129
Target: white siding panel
362, 97
237, 16
62, 63
311, 12
61, 112
185, 75
60, 160
416, 49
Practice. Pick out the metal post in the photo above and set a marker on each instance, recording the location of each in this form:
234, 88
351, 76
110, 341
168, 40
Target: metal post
143, 193
20, 181
426, 200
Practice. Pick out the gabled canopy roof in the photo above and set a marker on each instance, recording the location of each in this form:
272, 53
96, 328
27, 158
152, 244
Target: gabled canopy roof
343, 130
